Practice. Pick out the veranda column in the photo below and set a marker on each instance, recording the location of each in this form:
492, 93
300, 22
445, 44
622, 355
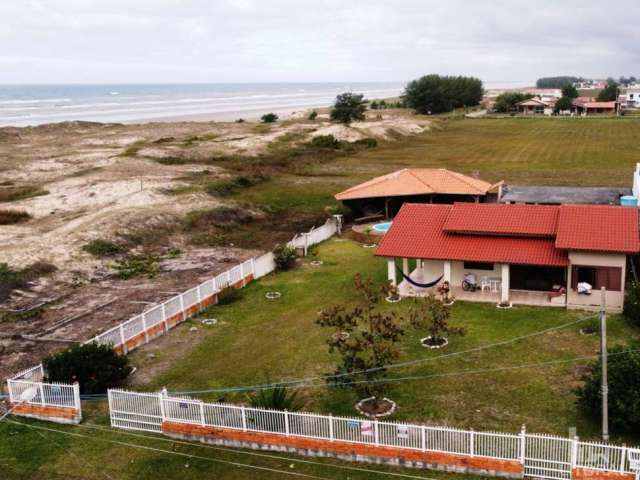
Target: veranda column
504, 296
405, 266
447, 271
391, 270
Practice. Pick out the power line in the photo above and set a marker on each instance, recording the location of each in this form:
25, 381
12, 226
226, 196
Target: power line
160, 450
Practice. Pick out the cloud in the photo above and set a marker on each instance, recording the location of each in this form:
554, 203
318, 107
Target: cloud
289, 40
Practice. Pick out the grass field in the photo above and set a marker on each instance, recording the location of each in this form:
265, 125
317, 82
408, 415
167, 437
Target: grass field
259, 341
547, 151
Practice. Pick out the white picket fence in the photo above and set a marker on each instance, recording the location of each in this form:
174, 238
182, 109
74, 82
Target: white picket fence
28, 383
27, 387
542, 456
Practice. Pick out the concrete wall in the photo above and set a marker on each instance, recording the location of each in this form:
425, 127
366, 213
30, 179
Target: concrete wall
614, 300
346, 450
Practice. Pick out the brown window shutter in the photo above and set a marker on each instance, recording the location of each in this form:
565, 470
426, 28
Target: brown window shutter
609, 278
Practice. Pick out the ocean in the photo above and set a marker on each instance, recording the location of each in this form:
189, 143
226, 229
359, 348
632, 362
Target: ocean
23, 105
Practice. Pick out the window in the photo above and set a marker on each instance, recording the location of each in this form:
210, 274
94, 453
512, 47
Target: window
597, 277
478, 266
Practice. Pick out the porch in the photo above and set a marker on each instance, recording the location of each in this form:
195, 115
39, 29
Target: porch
495, 290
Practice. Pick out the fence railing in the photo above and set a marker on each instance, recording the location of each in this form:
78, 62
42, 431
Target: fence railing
27, 385
542, 455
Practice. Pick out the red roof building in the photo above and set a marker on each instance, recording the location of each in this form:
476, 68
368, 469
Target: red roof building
532, 248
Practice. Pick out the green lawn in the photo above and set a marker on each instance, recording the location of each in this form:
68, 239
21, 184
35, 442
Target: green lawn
258, 341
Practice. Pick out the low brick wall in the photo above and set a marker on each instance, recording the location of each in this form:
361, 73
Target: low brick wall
590, 474
51, 414
363, 237
345, 450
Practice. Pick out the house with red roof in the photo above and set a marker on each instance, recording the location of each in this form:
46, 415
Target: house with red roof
588, 106
515, 253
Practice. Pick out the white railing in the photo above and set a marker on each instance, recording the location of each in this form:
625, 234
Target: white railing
543, 456
27, 385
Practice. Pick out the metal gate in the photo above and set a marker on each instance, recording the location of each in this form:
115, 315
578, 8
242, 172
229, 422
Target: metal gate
547, 457
135, 411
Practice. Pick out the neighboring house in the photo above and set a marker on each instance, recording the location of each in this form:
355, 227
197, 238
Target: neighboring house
544, 93
386, 194
527, 254
631, 97
533, 106
587, 106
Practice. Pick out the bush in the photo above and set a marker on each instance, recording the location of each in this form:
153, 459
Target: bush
326, 141
313, 115
348, 107
10, 217
95, 367
632, 303
11, 279
269, 118
137, 265
240, 120
367, 142
277, 398
13, 194
103, 248
224, 188
624, 388
438, 94
229, 295
285, 257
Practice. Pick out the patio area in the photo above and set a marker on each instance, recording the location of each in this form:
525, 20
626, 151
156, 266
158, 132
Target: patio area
492, 295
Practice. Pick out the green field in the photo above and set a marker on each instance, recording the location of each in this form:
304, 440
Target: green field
259, 341
546, 151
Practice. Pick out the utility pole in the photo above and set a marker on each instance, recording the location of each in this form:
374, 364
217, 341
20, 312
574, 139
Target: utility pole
603, 354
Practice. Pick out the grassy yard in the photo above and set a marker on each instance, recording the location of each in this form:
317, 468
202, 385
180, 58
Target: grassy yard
258, 341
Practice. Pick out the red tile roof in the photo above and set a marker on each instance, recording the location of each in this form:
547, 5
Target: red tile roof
518, 234
525, 220
417, 232
599, 228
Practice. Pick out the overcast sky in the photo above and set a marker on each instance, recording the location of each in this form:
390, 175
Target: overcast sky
125, 41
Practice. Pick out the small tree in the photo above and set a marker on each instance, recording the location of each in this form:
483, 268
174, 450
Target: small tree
624, 387
569, 91
284, 256
365, 338
313, 115
348, 107
95, 367
609, 93
562, 104
269, 118
632, 303
428, 313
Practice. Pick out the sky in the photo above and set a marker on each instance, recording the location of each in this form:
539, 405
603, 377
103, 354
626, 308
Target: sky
176, 41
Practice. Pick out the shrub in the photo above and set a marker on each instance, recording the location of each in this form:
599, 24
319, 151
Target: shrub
13, 194
624, 387
367, 142
285, 257
313, 115
240, 120
269, 118
103, 248
229, 295
224, 188
374, 105
326, 141
632, 303
11, 279
137, 265
95, 367
348, 107
10, 217
277, 398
